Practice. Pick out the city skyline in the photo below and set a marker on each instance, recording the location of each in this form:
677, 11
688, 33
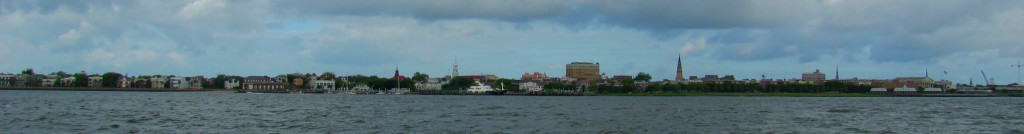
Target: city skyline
778, 39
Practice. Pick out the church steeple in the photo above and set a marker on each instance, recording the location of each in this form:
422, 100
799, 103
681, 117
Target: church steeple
455, 67
397, 76
679, 68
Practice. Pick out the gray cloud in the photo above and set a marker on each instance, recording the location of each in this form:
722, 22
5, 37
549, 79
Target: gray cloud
895, 30
239, 32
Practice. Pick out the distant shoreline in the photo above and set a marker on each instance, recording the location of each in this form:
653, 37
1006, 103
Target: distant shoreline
803, 94
116, 89
750, 94
587, 94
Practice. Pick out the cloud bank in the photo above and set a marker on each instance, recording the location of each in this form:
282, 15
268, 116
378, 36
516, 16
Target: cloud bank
271, 36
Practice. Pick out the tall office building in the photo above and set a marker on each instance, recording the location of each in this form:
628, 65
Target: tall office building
583, 70
817, 77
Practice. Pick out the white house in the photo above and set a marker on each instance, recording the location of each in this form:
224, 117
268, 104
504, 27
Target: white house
361, 87
177, 82
430, 84
6, 80
322, 84
530, 86
95, 81
232, 84
195, 82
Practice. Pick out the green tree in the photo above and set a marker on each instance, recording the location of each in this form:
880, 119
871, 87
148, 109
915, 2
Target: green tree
32, 81
328, 76
28, 71
81, 80
60, 74
628, 85
216, 82
110, 79
420, 77
508, 84
644, 77
555, 85
671, 87
459, 83
654, 88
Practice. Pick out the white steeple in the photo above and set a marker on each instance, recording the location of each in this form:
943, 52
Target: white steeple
455, 67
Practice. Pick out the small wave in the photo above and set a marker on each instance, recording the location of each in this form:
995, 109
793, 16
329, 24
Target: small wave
493, 108
841, 110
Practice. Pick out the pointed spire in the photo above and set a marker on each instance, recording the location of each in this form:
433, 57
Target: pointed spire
396, 73
679, 67
837, 71
455, 67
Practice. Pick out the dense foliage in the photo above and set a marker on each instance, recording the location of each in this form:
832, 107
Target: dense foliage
731, 87
458, 83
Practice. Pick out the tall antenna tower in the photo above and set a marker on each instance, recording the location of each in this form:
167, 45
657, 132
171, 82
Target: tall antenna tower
837, 71
1018, 66
926, 72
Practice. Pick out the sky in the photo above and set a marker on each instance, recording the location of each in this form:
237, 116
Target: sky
747, 38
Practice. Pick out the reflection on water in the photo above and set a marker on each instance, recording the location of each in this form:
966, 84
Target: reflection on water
156, 112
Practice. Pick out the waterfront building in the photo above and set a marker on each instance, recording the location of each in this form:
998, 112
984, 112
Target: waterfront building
67, 81
536, 76
856, 81
177, 82
124, 82
530, 86
158, 82
484, 77
261, 83
322, 84
49, 81
619, 78
583, 70
95, 81
912, 82
815, 77
194, 82
21, 79
232, 84
710, 78
361, 87
430, 84
879, 90
905, 91
6, 80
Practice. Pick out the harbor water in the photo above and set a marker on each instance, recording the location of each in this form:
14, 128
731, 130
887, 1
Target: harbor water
202, 112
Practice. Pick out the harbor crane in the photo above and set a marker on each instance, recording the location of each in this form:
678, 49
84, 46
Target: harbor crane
983, 76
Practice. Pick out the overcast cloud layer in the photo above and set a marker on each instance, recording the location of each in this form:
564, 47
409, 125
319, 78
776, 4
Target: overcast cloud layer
866, 38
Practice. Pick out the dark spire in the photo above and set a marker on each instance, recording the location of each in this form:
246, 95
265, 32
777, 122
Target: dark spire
679, 67
396, 73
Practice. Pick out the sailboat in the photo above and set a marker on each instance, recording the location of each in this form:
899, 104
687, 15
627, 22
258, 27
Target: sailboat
499, 91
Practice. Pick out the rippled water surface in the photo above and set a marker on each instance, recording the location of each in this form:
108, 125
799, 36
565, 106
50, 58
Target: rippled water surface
191, 112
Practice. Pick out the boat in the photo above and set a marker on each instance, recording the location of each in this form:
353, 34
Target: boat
499, 91
479, 88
